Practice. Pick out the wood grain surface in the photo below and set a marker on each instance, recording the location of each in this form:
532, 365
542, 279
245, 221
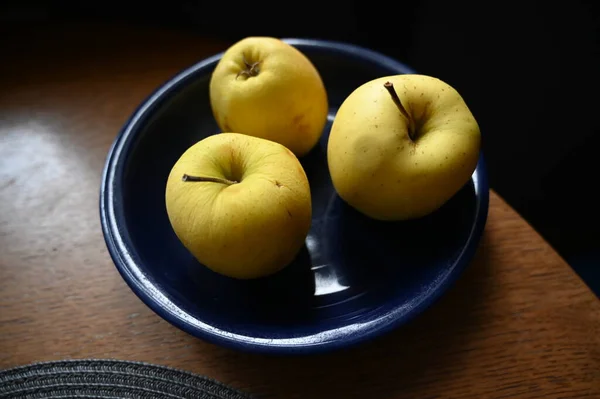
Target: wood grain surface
519, 323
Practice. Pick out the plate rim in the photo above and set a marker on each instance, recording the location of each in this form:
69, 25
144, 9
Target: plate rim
116, 239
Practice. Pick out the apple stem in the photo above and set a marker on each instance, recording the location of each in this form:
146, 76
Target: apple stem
187, 177
251, 69
411, 124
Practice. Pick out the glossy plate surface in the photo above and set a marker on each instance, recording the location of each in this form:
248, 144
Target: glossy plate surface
355, 279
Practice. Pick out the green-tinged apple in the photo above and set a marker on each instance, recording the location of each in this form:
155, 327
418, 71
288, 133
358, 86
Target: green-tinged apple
401, 146
267, 88
240, 204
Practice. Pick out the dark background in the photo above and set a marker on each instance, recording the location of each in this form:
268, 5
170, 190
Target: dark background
527, 69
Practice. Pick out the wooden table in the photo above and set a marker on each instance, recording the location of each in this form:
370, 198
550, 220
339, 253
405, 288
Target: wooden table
519, 323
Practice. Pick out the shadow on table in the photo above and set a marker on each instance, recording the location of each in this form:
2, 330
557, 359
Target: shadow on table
426, 351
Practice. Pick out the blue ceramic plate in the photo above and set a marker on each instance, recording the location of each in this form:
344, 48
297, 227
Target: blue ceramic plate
355, 279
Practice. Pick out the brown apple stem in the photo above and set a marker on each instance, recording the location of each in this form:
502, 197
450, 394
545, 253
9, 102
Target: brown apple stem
411, 124
252, 69
187, 177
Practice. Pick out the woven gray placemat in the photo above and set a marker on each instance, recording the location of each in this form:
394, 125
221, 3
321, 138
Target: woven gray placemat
109, 379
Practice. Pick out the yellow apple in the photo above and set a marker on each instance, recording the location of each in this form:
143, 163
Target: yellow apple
401, 146
240, 204
267, 88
